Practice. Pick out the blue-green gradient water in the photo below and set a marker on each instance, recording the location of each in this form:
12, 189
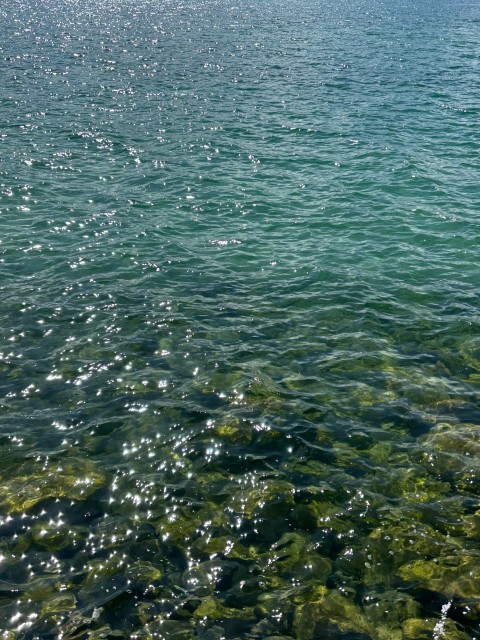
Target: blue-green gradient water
240, 330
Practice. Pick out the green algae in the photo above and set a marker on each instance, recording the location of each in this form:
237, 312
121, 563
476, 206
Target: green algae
74, 479
226, 546
327, 609
42, 589
145, 578
180, 528
403, 552
469, 351
426, 628
380, 453
235, 432
105, 632
285, 554
387, 610
58, 603
265, 497
343, 537
55, 538
452, 576
212, 610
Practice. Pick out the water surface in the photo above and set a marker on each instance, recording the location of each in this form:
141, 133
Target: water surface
240, 348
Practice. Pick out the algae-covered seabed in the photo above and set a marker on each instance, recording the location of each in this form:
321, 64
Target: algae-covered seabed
240, 348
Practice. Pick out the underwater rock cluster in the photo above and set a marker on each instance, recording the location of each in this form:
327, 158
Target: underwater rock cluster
235, 528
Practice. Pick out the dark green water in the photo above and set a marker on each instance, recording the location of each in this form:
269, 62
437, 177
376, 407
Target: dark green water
240, 341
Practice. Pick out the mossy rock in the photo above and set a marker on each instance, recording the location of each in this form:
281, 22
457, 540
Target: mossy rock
471, 526
222, 381
73, 479
313, 569
292, 556
387, 610
265, 436
144, 577
311, 594
176, 633
418, 628
387, 632
180, 528
113, 532
39, 589
198, 579
455, 441
170, 630
452, 451
367, 396
331, 516
313, 468
234, 432
73, 625
347, 456
351, 567
330, 610
451, 576
303, 517
428, 628
264, 392
101, 570
449, 630
402, 542
469, 350
147, 611
379, 453
225, 546
270, 496
105, 633
54, 538
22, 543
186, 525
212, 516
285, 555
413, 484
58, 603
213, 610
152, 610
421, 389
209, 478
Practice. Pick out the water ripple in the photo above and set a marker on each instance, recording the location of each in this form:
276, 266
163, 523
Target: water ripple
239, 357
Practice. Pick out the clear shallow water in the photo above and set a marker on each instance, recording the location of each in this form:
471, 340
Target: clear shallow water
240, 334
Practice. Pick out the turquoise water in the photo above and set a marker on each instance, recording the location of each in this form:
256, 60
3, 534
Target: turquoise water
240, 345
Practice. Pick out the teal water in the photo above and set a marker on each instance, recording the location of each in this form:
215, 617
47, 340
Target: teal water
240, 342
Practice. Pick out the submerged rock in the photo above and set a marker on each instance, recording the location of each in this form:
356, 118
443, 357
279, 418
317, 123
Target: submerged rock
212, 609
74, 479
452, 576
453, 452
330, 610
235, 432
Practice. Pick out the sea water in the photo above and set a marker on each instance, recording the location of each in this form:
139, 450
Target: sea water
240, 342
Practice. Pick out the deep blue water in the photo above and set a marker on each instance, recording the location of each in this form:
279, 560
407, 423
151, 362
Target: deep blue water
240, 342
